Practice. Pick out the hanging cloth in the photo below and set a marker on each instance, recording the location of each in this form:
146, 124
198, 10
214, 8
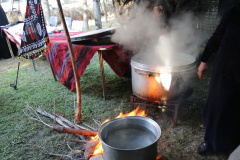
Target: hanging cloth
34, 36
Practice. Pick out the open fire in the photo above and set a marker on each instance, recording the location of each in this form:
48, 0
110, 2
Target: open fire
157, 81
99, 149
136, 136
165, 79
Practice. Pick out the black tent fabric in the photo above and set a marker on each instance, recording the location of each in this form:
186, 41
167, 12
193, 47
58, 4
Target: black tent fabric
225, 5
4, 50
3, 17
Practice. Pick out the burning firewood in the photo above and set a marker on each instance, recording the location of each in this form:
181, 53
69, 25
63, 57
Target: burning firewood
93, 149
89, 148
65, 126
71, 124
98, 157
84, 132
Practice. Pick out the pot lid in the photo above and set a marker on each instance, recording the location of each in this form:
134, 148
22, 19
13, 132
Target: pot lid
177, 62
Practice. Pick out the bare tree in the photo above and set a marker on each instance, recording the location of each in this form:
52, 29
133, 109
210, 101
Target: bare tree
85, 15
105, 10
46, 11
114, 6
97, 14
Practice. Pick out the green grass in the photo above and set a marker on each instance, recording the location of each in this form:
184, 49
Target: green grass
22, 138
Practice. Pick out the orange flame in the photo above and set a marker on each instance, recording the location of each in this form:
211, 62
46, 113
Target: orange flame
137, 112
98, 149
165, 79
105, 121
158, 156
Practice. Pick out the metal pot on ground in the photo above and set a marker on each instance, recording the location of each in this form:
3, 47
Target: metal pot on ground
154, 80
132, 137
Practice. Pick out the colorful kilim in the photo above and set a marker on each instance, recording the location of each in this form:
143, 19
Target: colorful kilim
14, 33
34, 35
58, 55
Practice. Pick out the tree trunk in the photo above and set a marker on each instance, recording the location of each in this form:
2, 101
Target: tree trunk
46, 10
97, 14
114, 6
85, 16
105, 11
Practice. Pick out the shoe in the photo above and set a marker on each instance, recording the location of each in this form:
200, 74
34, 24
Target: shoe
204, 148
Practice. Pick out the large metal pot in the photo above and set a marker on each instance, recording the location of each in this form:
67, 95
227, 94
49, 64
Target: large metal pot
147, 73
133, 138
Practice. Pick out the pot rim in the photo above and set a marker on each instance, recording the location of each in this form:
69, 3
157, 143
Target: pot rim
161, 68
130, 117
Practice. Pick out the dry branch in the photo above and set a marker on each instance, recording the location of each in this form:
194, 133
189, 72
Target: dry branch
66, 127
84, 132
98, 123
59, 155
71, 124
90, 148
76, 140
58, 120
90, 126
32, 114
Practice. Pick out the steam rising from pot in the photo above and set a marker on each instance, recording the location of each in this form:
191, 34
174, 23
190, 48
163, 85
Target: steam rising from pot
165, 50
143, 34
138, 33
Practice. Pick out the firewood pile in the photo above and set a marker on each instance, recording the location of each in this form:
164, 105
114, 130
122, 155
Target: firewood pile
84, 132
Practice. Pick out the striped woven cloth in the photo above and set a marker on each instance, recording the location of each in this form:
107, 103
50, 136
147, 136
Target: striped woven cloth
14, 33
58, 55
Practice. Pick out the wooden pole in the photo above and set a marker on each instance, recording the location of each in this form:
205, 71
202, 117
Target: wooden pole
10, 47
78, 115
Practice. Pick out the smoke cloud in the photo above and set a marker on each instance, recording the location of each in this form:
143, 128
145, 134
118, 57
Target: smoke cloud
143, 35
139, 32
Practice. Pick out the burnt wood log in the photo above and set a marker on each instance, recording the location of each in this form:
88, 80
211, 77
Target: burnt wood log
84, 132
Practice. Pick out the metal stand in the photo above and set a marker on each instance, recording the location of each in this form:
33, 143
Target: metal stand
34, 65
165, 106
15, 85
11, 51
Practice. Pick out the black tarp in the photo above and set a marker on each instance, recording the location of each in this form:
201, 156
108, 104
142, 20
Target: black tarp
4, 50
225, 5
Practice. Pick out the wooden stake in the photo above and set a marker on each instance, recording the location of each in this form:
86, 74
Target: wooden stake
10, 47
83, 132
78, 115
